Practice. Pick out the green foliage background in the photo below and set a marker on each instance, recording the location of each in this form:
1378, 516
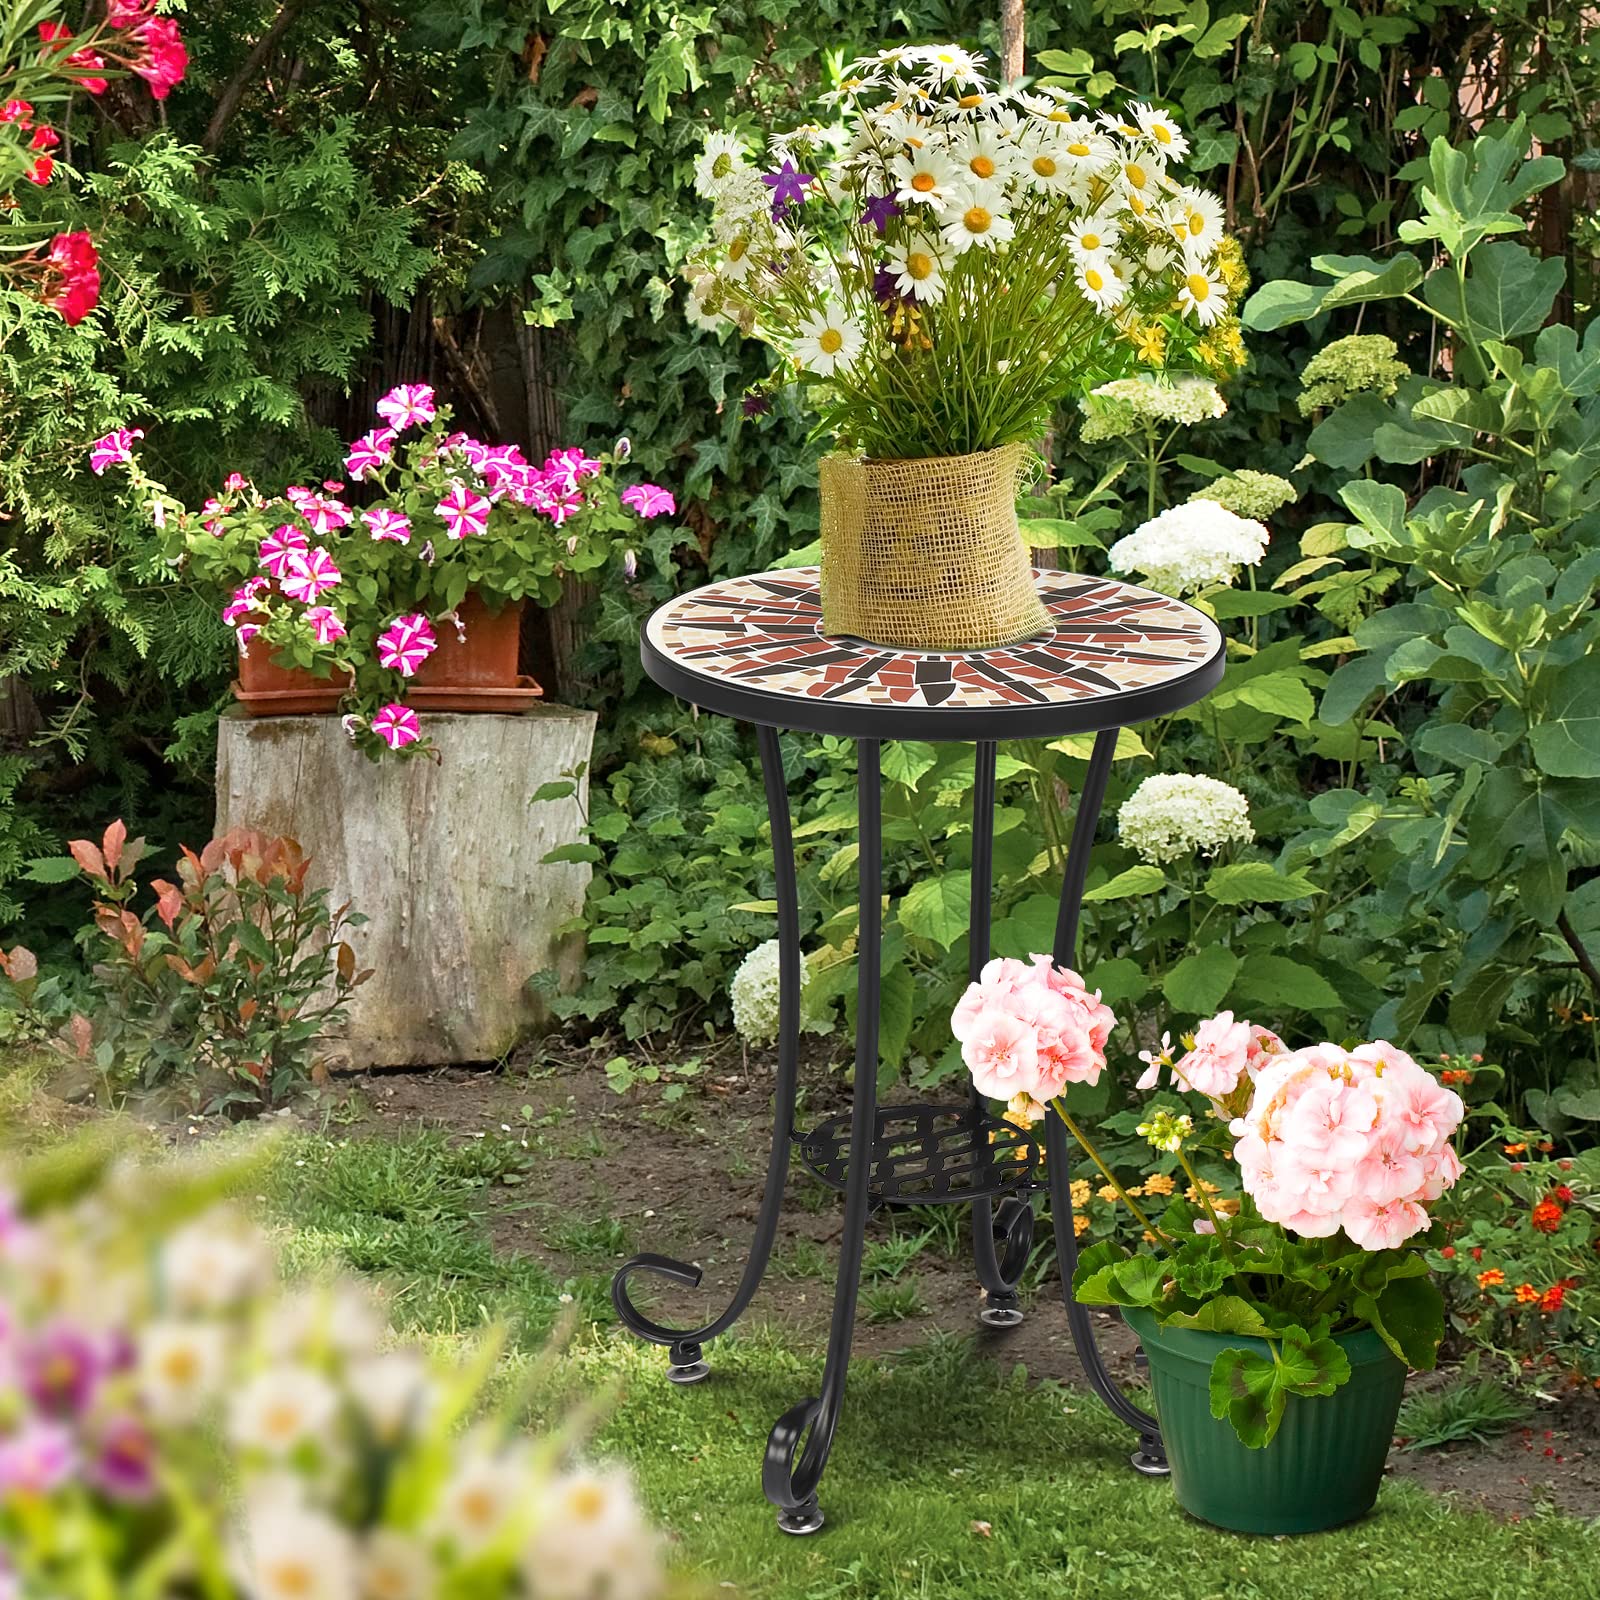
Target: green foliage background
399, 186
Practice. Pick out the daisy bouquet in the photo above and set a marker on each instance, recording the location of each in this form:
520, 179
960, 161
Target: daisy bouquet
947, 262
1333, 1157
176, 1423
359, 578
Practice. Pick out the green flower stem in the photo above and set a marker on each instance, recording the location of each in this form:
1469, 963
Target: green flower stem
1105, 1171
1211, 1212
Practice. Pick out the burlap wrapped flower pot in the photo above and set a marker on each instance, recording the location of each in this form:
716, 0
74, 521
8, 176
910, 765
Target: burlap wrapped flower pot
927, 554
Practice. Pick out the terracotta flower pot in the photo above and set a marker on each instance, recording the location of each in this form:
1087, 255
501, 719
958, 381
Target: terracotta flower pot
478, 673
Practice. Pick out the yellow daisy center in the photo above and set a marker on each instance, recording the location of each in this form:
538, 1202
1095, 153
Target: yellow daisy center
1127, 132
923, 182
586, 1502
1136, 205
1199, 286
722, 166
1060, 116
977, 220
919, 265
292, 1577
968, 101
982, 166
1094, 280
1136, 174
1161, 133
831, 341
1197, 224
1045, 166
1089, 241
1077, 148
737, 249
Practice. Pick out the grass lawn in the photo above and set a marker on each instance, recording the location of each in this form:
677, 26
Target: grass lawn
950, 1477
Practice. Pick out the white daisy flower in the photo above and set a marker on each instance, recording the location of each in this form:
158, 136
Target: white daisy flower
1042, 163
948, 64
723, 158
1204, 293
1085, 146
592, 1539
393, 1392
828, 341
1120, 125
985, 162
180, 1368
487, 1489
1098, 280
289, 1552
281, 1409
206, 1267
737, 258
1160, 130
1092, 234
1141, 176
969, 224
926, 176
1196, 218
918, 270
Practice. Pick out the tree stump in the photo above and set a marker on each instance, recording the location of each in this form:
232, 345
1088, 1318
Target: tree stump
445, 859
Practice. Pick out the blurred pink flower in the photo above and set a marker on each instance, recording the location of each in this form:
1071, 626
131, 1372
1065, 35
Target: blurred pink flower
37, 1458
115, 449
649, 499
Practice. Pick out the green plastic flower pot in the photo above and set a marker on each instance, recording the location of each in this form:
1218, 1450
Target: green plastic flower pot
1323, 1466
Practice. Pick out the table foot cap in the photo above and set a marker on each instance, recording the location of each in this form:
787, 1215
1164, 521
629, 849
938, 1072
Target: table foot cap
1150, 1460
1000, 1316
801, 1519
689, 1372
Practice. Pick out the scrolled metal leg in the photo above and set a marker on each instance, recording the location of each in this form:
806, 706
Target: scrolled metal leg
686, 1356
1150, 1457
801, 1439
1000, 1239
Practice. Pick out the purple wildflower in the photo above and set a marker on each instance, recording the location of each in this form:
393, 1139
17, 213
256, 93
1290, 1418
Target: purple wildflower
879, 211
124, 1468
885, 288
37, 1459
755, 405
788, 185
61, 1369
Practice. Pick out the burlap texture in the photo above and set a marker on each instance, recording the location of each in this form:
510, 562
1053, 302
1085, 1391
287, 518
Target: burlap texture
927, 554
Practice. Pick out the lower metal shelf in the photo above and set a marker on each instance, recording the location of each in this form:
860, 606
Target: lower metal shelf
928, 1154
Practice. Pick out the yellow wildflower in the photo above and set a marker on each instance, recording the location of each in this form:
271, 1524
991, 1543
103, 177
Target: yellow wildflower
1159, 1183
1107, 1192
1080, 1193
1150, 343
1080, 1225
1231, 268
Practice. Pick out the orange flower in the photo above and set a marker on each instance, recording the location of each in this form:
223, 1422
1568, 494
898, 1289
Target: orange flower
1515, 1149
1488, 1279
1547, 1216
1553, 1298
1526, 1294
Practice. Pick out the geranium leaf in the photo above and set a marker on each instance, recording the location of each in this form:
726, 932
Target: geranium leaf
1244, 1389
1408, 1315
1310, 1366
1226, 1313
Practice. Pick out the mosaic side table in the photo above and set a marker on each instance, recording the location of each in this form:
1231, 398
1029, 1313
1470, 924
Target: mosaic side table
754, 648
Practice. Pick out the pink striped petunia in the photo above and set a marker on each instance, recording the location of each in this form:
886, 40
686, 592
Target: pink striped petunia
396, 725
407, 404
463, 512
244, 600
115, 449
309, 573
325, 514
370, 454
325, 623
406, 643
279, 548
649, 499
382, 523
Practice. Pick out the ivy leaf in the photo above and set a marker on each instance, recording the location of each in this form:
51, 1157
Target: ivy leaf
1256, 882
1199, 981
1244, 1389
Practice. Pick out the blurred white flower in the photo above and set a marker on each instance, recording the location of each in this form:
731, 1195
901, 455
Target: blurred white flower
1175, 814
592, 1542
396, 1567
1191, 546
180, 1366
207, 1267
288, 1552
754, 992
486, 1489
282, 1408
393, 1392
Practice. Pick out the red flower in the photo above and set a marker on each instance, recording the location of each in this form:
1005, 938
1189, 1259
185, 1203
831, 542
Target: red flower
163, 60
44, 138
40, 171
18, 111
76, 264
1547, 1216
1562, 1193
1477, 1252
1449, 1252
127, 13
89, 61
56, 33
1553, 1298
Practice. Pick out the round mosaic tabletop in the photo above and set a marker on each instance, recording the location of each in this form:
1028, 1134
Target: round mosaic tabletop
754, 648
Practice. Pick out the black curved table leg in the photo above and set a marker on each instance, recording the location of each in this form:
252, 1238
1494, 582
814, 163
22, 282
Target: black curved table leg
1000, 1239
1150, 1457
687, 1358
798, 1446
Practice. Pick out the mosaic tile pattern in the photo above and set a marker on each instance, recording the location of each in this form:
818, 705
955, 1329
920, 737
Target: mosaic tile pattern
765, 632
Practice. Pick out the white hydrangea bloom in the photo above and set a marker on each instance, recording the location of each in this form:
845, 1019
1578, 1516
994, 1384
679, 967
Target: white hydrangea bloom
1186, 400
1174, 814
1191, 547
754, 992
1249, 493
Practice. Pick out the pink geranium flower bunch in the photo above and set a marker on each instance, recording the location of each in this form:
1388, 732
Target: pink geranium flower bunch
1027, 1030
353, 578
1353, 1139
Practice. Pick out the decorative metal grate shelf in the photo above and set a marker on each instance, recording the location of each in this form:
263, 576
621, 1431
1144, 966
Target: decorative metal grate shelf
928, 1154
